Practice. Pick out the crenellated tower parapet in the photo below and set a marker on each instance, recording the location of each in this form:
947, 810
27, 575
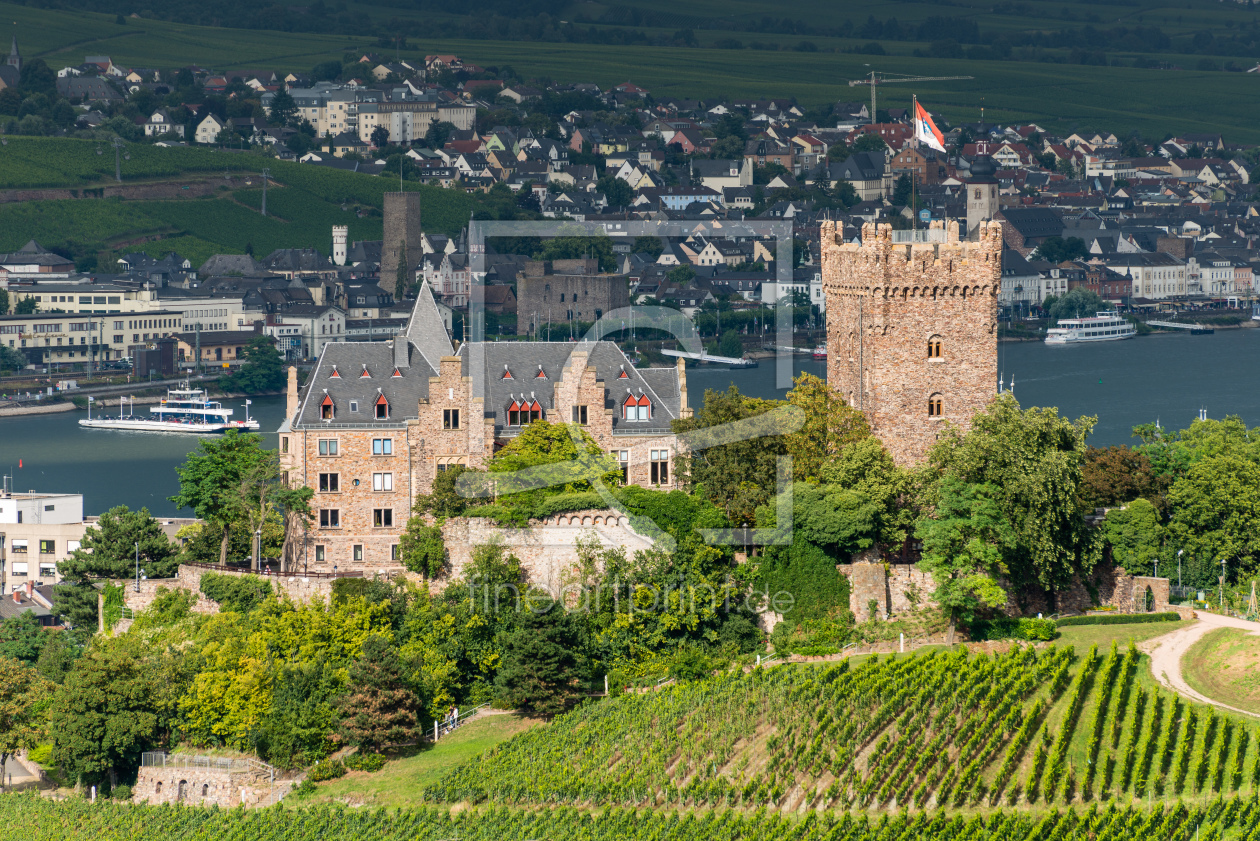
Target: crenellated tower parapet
912, 327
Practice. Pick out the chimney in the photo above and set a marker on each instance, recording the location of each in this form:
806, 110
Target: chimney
400, 351
17, 595
30, 589
292, 393
684, 411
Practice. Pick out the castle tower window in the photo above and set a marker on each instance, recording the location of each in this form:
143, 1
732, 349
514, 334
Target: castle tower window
934, 347
934, 406
382, 408
326, 408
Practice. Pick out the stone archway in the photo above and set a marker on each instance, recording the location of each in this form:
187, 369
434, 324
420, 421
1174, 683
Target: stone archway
182, 792
1148, 601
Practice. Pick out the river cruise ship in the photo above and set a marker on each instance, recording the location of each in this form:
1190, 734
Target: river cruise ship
1103, 327
185, 410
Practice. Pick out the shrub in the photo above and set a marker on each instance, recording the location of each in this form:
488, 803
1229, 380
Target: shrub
121, 793
365, 762
235, 593
328, 769
304, 788
1014, 629
1119, 619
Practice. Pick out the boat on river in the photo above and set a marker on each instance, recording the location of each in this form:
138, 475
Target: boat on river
183, 410
1103, 327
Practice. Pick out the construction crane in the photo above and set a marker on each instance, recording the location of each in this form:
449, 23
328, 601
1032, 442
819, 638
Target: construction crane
897, 79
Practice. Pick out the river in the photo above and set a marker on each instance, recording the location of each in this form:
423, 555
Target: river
1164, 377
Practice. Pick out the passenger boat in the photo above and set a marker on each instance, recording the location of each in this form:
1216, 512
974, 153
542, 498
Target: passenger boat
820, 352
1102, 327
182, 410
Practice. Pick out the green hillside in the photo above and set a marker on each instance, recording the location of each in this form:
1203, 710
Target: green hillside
303, 202
1044, 83
941, 730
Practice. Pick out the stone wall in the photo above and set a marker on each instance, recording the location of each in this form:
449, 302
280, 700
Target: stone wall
401, 240
206, 787
901, 588
295, 586
887, 304
547, 549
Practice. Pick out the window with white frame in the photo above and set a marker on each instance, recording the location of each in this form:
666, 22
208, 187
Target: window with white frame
382, 481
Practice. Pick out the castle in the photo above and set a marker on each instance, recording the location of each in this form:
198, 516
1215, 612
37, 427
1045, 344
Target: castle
912, 328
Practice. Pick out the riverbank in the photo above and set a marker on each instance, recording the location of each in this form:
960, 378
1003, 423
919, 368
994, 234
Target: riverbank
38, 409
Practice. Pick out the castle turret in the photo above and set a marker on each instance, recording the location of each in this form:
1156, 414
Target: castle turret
341, 234
982, 194
912, 328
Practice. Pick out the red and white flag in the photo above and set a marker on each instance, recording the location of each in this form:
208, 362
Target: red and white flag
925, 131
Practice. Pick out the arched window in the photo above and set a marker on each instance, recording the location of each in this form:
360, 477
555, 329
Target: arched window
205, 789
934, 406
934, 347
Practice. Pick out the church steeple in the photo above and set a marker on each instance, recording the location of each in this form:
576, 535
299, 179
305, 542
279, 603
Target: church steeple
15, 58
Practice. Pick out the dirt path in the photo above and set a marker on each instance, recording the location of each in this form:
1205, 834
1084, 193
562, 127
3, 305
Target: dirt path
1166, 653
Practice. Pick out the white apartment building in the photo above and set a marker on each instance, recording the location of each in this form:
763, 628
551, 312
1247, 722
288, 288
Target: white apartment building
58, 339
83, 298
333, 109
1155, 276
36, 532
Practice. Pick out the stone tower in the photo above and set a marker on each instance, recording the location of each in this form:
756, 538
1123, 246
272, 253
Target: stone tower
912, 328
15, 58
401, 242
341, 233
982, 194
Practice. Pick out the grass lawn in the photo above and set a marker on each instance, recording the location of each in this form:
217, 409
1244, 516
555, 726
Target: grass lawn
1225, 665
406, 773
1083, 636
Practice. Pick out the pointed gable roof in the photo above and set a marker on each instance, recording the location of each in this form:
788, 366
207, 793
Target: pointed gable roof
427, 331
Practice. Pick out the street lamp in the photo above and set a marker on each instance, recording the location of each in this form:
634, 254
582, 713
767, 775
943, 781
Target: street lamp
257, 549
139, 572
1180, 552
1222, 583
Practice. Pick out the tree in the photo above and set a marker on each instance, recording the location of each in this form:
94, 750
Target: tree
1034, 460
1060, 250
37, 77
22, 638
108, 552
107, 713
26, 306
4, 299
11, 360
1115, 475
539, 672
1216, 516
652, 246
437, 134
233, 482
421, 547
380, 137
326, 71
1077, 303
964, 544
283, 109
740, 476
1135, 536
24, 699
58, 656
868, 142
730, 345
830, 425
263, 369
379, 708
615, 190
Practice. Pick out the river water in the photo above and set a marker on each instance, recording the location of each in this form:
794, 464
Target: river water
1163, 377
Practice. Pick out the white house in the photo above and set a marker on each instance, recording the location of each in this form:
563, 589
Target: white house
208, 129
160, 122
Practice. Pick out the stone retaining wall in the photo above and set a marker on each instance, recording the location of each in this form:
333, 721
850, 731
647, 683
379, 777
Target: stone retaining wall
206, 787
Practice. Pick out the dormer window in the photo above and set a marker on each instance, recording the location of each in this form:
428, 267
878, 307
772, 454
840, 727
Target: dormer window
382, 408
514, 414
623, 375
540, 375
326, 408
636, 408
334, 375
365, 375
397, 373
507, 375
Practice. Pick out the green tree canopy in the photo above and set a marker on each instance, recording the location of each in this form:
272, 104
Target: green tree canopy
108, 551
1118, 474
830, 426
22, 638
24, 699
1059, 250
1135, 536
1034, 460
540, 668
1077, 303
965, 542
1215, 517
263, 369
379, 708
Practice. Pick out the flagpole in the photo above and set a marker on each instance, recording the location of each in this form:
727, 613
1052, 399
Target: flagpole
914, 211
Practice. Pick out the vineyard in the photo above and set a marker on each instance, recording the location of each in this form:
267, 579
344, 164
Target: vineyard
1045, 729
44, 820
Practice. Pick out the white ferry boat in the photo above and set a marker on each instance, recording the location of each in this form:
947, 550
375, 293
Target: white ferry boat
1103, 327
820, 352
182, 410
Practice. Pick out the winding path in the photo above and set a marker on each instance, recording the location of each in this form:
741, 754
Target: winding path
1166, 653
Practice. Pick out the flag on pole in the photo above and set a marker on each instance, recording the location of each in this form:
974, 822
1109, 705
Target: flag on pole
925, 131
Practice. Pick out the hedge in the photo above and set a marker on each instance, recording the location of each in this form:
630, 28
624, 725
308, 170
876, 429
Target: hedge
1118, 619
1033, 630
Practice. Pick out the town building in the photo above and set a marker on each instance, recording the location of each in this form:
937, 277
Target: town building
560, 291
58, 340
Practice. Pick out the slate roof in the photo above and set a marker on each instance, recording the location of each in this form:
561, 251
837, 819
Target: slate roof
350, 360
523, 359
1034, 222
427, 331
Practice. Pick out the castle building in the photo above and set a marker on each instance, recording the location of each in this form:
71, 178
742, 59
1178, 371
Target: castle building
377, 421
912, 328
982, 194
402, 243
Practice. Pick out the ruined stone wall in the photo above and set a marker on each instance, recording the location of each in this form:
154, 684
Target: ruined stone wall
205, 787
295, 586
547, 548
887, 303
